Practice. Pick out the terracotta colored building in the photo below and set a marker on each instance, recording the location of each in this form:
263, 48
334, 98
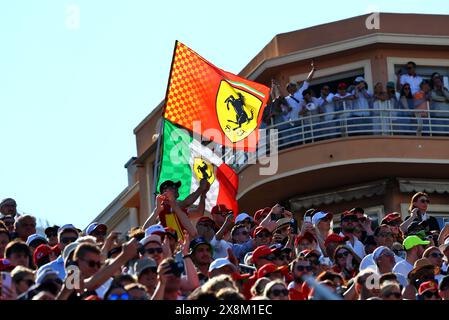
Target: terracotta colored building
376, 172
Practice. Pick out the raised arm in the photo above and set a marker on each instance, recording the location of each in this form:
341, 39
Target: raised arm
182, 216
191, 281
312, 72
191, 198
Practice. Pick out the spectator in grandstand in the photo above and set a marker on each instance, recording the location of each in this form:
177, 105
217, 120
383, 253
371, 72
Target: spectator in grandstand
343, 101
410, 77
440, 103
422, 99
24, 227
359, 120
418, 213
8, 207
326, 107
414, 248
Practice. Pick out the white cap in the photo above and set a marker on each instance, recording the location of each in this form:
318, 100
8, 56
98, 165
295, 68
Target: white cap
44, 274
35, 236
220, 263
154, 228
67, 227
318, 216
151, 238
242, 217
377, 253
359, 79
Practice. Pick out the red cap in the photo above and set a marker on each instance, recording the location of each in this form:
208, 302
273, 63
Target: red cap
333, 237
258, 230
258, 214
342, 85
270, 268
219, 208
426, 286
239, 276
307, 236
56, 249
41, 252
5, 265
391, 217
261, 251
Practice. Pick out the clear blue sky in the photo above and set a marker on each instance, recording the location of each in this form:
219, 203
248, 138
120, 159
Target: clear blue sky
71, 93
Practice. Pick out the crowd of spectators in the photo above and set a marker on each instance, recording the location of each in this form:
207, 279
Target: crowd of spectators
410, 106
265, 255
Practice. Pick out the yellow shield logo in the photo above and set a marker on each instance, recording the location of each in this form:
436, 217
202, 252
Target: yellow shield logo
237, 111
204, 169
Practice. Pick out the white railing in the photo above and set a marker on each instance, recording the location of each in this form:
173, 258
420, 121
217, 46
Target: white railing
345, 123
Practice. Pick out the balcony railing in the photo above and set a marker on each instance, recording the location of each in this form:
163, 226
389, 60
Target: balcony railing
346, 123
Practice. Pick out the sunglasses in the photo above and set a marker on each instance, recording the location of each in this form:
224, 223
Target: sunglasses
304, 268
123, 296
67, 240
397, 295
350, 219
279, 292
430, 294
263, 235
283, 257
92, 263
342, 254
436, 255
424, 201
153, 250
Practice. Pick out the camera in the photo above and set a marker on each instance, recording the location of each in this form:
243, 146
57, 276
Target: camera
177, 268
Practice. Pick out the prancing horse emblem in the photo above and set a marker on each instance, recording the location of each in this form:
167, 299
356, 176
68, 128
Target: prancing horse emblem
241, 115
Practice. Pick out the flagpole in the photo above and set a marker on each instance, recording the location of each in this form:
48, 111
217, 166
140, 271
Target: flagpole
161, 133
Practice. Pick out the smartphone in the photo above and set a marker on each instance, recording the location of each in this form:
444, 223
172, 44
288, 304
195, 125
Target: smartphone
294, 226
6, 280
276, 217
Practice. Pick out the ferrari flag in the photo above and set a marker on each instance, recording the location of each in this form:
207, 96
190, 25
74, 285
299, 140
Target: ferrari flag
216, 104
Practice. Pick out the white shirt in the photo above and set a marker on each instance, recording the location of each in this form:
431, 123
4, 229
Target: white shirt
220, 248
368, 261
327, 106
358, 247
295, 105
413, 81
361, 104
403, 267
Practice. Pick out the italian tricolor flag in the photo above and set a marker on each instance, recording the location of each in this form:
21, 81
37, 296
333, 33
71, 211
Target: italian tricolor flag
185, 159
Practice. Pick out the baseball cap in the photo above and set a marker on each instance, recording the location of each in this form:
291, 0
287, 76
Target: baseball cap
96, 226
5, 265
342, 85
444, 246
427, 286
40, 278
394, 216
69, 249
333, 237
143, 264
261, 251
198, 241
219, 208
41, 252
155, 229
258, 230
220, 263
308, 252
243, 216
171, 232
270, 268
151, 238
378, 252
347, 214
169, 184
282, 223
35, 237
259, 213
413, 241
390, 84
52, 229
206, 219
320, 215
67, 227
359, 79
306, 235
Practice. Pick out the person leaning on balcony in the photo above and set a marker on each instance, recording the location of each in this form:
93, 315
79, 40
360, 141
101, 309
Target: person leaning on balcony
326, 107
410, 77
343, 104
439, 102
361, 106
406, 104
309, 110
380, 104
418, 212
421, 101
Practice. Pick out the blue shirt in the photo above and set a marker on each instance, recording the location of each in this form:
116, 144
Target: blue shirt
56, 265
